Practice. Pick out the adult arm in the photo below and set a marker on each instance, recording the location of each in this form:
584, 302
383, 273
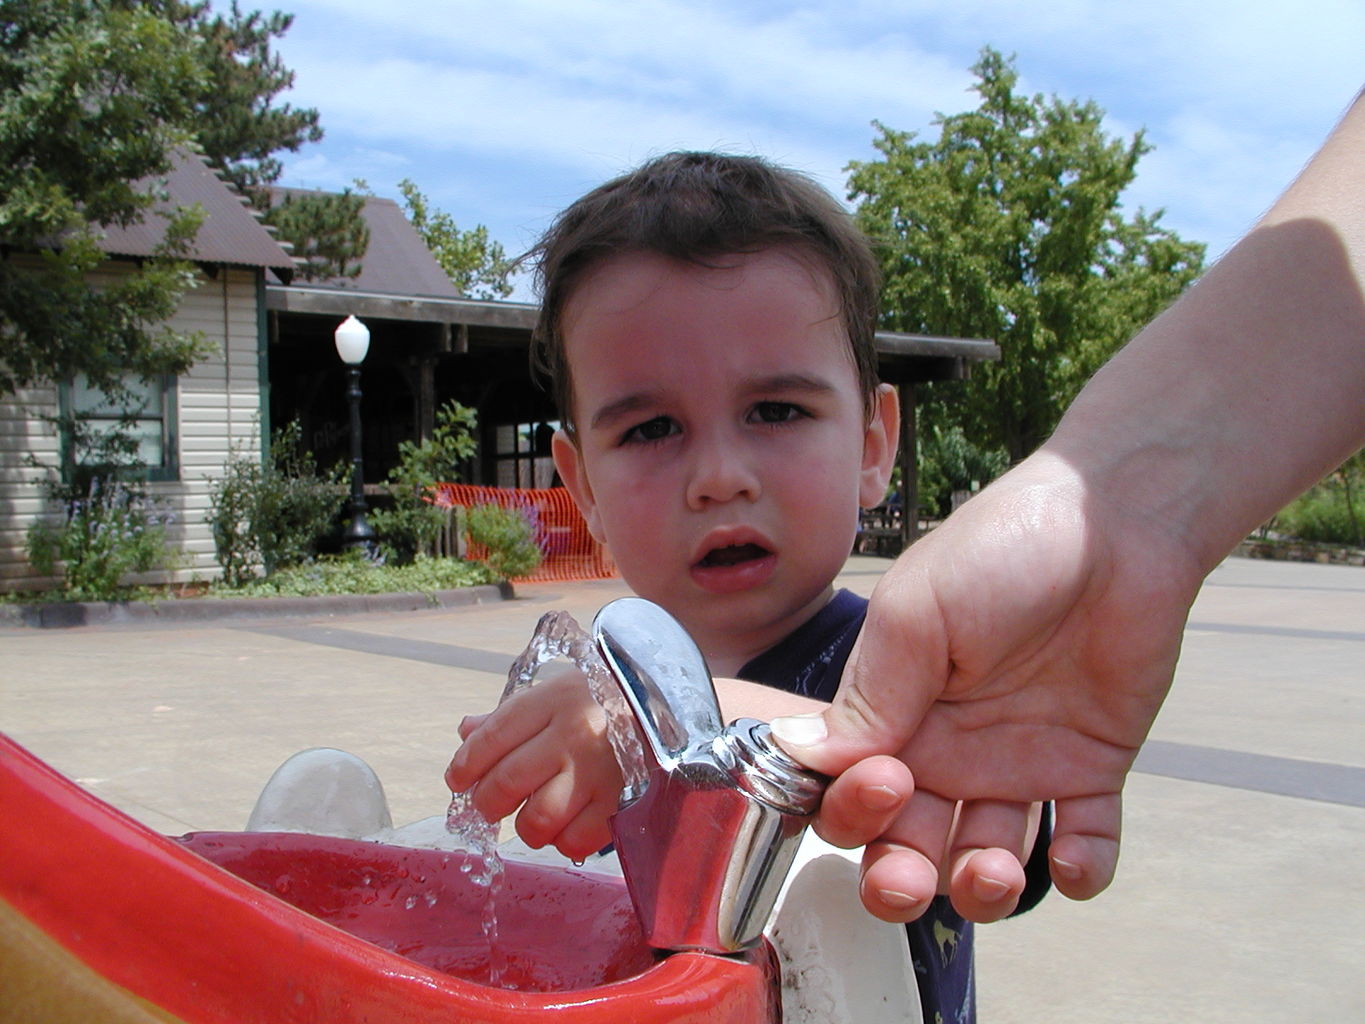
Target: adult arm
1022, 650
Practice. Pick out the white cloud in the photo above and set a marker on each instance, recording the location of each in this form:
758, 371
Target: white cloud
550, 97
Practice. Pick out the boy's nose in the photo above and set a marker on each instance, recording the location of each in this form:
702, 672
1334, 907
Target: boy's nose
720, 473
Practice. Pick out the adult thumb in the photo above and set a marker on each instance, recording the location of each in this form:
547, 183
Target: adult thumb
897, 669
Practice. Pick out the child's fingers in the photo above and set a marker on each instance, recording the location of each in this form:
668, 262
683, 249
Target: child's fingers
898, 882
459, 775
589, 831
549, 809
470, 723
515, 778
986, 883
581, 789
496, 735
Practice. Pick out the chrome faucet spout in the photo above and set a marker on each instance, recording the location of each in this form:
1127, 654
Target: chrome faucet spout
707, 841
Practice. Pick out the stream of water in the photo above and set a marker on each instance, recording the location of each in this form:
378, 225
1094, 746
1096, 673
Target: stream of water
557, 636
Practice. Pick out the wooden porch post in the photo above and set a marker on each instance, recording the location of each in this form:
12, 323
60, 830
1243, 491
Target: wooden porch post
909, 463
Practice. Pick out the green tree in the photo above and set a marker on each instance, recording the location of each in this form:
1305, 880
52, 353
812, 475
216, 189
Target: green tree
238, 123
949, 463
1009, 226
240, 127
478, 266
326, 231
94, 95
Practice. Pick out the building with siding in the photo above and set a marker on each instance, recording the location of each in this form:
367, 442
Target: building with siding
275, 362
198, 418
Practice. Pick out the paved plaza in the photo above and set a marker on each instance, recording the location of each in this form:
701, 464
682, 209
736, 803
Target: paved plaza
1239, 896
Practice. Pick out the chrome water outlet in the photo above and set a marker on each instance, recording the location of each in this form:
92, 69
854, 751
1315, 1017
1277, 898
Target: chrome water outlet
706, 842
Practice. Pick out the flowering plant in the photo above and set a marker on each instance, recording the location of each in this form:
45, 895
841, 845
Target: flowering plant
108, 532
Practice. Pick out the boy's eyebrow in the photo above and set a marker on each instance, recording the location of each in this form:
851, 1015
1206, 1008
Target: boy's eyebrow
781, 383
789, 382
622, 407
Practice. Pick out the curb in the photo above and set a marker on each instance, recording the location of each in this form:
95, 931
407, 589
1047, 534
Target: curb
66, 615
1301, 551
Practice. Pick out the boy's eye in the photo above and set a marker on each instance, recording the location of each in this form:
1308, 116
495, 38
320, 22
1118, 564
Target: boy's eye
656, 429
776, 412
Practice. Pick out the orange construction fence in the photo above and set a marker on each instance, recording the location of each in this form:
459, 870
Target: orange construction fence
568, 550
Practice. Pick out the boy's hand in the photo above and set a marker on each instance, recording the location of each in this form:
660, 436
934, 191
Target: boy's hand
546, 751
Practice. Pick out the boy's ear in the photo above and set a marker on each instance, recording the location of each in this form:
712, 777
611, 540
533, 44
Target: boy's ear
879, 446
569, 463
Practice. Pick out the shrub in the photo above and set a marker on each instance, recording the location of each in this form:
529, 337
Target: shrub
509, 537
411, 527
352, 573
232, 505
1330, 513
272, 515
108, 533
109, 527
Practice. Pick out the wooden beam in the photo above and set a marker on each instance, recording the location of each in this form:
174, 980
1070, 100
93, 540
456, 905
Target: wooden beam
909, 462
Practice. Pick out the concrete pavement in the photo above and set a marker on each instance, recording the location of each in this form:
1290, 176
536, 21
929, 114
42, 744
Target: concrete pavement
1239, 895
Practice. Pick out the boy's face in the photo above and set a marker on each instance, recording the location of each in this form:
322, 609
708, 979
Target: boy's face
722, 446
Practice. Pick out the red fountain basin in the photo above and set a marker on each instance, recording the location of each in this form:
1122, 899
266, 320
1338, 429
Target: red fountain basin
557, 930
104, 919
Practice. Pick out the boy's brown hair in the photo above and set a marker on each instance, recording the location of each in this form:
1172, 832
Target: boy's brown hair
699, 207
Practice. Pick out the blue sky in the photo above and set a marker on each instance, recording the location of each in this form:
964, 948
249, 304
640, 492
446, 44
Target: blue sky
504, 112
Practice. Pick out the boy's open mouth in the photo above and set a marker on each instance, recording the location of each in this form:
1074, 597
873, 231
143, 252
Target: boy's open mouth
733, 554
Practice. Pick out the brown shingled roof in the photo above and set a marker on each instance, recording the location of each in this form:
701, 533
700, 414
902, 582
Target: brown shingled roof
230, 233
396, 262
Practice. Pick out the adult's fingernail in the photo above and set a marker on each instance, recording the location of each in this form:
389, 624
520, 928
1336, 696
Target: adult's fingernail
879, 798
989, 890
800, 730
898, 900
1066, 869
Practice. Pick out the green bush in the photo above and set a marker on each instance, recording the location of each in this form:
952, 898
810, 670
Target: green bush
352, 573
1332, 512
272, 515
412, 526
232, 509
509, 537
108, 533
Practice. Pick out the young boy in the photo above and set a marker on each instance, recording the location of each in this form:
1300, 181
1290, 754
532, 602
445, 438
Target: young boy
708, 323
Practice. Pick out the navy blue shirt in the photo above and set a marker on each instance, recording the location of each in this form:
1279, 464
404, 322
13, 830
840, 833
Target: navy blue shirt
810, 662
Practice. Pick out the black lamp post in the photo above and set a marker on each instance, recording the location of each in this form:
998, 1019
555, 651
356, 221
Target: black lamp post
353, 341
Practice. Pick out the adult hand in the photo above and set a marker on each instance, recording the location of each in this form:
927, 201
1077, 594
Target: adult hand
1018, 653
